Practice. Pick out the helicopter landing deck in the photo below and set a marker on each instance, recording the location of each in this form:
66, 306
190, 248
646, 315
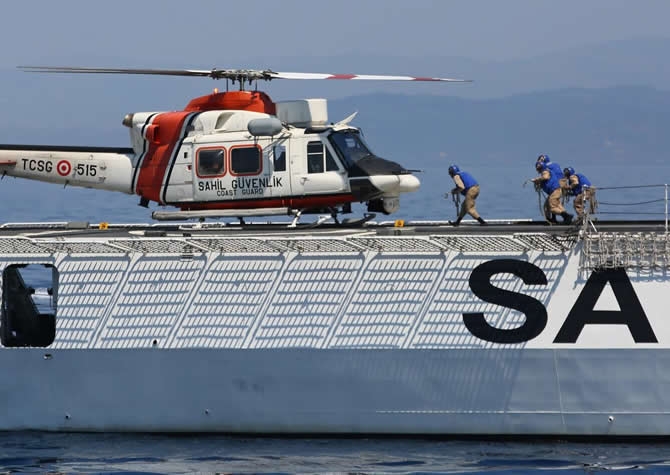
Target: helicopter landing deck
390, 228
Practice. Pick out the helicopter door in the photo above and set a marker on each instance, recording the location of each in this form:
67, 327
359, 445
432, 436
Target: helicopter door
321, 172
281, 179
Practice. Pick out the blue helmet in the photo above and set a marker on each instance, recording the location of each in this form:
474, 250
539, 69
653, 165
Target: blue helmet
453, 170
568, 172
540, 166
544, 158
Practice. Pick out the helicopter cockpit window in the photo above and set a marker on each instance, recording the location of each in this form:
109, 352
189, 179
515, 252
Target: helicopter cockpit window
246, 160
279, 154
350, 145
319, 158
211, 162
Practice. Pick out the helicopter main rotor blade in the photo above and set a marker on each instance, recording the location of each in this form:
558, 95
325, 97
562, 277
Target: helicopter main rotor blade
362, 77
159, 72
233, 74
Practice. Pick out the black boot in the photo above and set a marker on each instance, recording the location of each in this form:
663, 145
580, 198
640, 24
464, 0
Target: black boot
481, 221
567, 217
455, 223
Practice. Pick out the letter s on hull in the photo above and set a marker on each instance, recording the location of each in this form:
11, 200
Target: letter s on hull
480, 284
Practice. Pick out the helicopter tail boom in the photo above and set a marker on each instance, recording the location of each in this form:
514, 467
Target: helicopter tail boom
91, 167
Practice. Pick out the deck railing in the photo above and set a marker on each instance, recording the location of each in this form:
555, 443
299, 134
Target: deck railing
633, 248
626, 201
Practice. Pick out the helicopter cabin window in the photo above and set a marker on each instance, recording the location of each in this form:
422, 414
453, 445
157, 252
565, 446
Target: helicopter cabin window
350, 146
319, 158
279, 154
211, 162
246, 160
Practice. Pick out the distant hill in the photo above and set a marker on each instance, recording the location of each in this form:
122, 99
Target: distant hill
603, 108
618, 125
641, 61
579, 92
616, 136
614, 125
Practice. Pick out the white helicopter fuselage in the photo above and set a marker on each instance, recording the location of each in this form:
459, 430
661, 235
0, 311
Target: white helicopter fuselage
231, 165
227, 159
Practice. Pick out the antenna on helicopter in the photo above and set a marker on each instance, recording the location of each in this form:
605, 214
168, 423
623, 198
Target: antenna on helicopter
347, 119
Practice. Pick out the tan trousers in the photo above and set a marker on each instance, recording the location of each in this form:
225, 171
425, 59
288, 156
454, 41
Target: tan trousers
553, 203
468, 205
581, 199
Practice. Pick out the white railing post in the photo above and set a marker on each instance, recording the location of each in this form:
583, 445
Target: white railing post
587, 215
666, 208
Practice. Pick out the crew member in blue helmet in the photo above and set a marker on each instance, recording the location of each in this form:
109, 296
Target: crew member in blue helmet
550, 184
468, 187
580, 187
554, 168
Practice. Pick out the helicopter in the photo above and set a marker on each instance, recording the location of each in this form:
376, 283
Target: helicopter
229, 154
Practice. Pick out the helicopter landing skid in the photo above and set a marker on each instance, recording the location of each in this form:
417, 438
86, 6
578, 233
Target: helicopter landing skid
353, 222
319, 221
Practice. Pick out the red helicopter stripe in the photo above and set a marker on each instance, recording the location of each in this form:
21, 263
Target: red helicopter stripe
302, 202
341, 76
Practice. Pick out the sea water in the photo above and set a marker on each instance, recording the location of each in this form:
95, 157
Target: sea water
146, 453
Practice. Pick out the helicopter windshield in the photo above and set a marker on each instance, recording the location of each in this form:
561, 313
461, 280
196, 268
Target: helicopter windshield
350, 146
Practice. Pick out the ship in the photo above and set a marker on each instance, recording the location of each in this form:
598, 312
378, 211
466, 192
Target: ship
382, 328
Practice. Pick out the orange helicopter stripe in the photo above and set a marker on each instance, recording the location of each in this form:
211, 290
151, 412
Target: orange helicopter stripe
167, 131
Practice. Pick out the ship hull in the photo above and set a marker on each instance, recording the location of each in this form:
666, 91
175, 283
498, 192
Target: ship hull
433, 392
507, 332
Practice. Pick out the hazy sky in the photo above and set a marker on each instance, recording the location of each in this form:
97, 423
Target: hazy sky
489, 41
200, 33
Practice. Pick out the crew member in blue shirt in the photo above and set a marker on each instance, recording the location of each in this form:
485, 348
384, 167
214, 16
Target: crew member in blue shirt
554, 168
549, 181
467, 186
580, 187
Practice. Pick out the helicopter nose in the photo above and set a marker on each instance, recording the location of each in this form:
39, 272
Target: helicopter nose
374, 177
408, 183
395, 184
